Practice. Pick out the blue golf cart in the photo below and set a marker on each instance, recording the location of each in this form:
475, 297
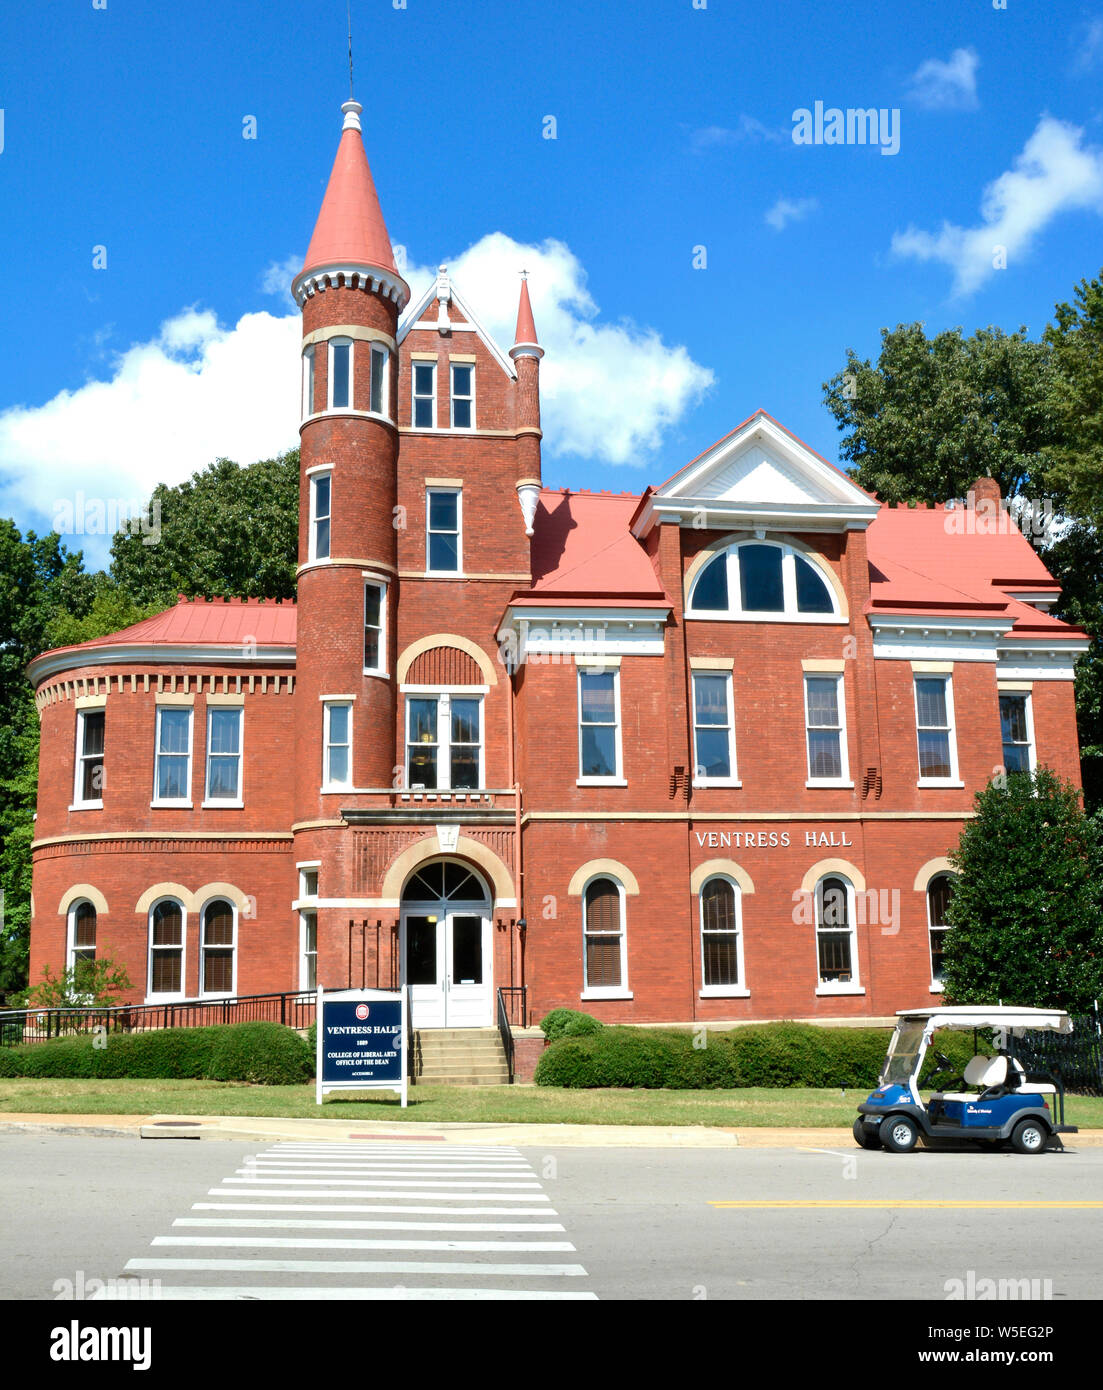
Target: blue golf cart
996, 1102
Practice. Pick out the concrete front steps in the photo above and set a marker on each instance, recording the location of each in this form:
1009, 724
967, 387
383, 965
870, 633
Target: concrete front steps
460, 1057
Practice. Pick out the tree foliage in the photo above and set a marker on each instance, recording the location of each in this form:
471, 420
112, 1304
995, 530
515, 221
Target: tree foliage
1027, 908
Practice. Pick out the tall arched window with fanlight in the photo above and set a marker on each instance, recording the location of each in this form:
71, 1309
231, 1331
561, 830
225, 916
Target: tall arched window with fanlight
939, 892
605, 954
721, 938
167, 926
82, 942
764, 580
219, 925
836, 938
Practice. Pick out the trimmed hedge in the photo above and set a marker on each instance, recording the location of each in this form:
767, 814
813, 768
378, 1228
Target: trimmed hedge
264, 1053
771, 1055
569, 1023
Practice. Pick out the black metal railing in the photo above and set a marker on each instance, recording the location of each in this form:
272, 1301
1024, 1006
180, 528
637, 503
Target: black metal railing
414, 1063
516, 1004
295, 1010
506, 1032
1076, 1057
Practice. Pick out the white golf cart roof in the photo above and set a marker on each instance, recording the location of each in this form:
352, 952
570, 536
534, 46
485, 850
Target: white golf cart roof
1005, 1016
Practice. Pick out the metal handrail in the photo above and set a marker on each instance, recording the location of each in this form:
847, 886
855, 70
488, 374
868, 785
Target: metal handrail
506, 1033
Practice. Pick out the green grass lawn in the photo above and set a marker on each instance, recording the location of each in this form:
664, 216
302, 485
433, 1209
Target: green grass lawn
490, 1104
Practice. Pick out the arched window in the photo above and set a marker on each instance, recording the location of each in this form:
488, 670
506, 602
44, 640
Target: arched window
166, 949
82, 940
721, 937
217, 948
605, 957
939, 892
763, 579
836, 939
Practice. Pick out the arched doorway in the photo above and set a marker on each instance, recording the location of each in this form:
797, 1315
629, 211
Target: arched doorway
447, 946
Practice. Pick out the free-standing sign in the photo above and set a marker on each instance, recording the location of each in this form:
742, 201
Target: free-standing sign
361, 1041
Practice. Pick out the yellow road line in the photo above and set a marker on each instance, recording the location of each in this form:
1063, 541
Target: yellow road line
919, 1203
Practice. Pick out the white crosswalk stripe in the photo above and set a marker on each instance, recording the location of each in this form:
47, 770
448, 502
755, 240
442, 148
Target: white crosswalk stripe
257, 1238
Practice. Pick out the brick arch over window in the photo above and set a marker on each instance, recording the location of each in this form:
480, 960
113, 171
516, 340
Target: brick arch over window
445, 666
603, 868
727, 867
83, 890
833, 867
223, 890
479, 855
931, 869
429, 647
166, 890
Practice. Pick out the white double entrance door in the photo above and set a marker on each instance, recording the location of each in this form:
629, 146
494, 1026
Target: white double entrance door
446, 961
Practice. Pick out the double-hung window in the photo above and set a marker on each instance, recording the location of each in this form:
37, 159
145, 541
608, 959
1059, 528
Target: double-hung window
216, 971
308, 926
172, 763
88, 782
443, 530
378, 401
321, 501
340, 374
599, 741
934, 723
337, 745
713, 729
1016, 732
605, 955
166, 949
444, 743
721, 942
836, 937
308, 382
375, 629
82, 942
463, 396
825, 730
939, 892
224, 730
424, 394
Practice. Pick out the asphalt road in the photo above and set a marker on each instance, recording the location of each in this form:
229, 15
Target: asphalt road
226, 1219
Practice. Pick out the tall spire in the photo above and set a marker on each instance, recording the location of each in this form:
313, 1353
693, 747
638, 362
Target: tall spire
525, 338
350, 234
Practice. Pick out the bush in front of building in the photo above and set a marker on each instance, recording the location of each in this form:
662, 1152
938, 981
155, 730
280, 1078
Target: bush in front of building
569, 1023
263, 1053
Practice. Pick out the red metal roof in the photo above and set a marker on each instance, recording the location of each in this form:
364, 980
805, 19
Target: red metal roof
526, 326
582, 548
350, 229
214, 622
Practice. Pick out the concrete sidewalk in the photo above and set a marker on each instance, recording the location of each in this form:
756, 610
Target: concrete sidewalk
237, 1127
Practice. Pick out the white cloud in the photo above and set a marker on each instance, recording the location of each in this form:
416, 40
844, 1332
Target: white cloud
1089, 47
787, 210
277, 278
746, 128
200, 390
949, 86
1056, 172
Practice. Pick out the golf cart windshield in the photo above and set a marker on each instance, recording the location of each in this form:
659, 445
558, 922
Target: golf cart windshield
903, 1053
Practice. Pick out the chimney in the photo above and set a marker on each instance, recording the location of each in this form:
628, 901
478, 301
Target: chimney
987, 491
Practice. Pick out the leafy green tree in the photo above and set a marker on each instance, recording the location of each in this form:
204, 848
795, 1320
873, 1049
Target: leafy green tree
100, 981
1076, 344
1027, 908
228, 532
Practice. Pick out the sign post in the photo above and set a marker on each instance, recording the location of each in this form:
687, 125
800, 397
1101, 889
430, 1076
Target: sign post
361, 1041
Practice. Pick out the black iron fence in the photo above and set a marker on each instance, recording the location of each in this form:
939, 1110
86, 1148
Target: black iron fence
1077, 1057
37, 1025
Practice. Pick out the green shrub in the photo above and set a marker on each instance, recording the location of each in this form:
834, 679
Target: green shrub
312, 1039
569, 1023
265, 1053
10, 1063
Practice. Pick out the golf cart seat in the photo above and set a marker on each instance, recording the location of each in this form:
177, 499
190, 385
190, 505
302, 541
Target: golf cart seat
983, 1073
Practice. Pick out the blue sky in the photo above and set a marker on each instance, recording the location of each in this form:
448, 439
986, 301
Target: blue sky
123, 130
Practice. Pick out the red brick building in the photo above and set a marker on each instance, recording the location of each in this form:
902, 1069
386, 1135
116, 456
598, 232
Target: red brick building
698, 754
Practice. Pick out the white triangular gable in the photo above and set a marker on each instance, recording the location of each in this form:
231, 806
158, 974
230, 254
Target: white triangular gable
423, 315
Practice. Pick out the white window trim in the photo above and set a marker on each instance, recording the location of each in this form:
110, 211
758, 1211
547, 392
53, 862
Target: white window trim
96, 804
376, 350
228, 803
218, 993
444, 696
954, 778
853, 985
937, 986
620, 991
307, 912
733, 779
332, 343
735, 612
181, 801
619, 779
71, 933
737, 991
312, 536
381, 669
308, 382
457, 573
452, 396
1031, 747
414, 398
844, 752
327, 706
182, 994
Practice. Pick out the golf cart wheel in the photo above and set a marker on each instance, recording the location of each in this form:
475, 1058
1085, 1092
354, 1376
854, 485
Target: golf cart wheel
1030, 1137
899, 1134
864, 1136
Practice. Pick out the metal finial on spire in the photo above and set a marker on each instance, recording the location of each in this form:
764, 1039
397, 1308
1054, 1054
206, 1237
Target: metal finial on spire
524, 275
350, 49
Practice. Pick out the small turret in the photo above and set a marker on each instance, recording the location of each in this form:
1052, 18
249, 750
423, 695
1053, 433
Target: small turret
526, 353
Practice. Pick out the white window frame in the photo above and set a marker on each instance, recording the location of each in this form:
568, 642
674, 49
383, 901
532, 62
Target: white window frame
444, 695
71, 936
1028, 713
415, 397
456, 492
96, 803
182, 993
854, 984
937, 986
732, 780
585, 780
452, 396
738, 990
235, 802
734, 613
954, 778
312, 538
304, 954
328, 705
333, 343
231, 993
844, 779
381, 668
376, 352
308, 381
621, 991
157, 756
